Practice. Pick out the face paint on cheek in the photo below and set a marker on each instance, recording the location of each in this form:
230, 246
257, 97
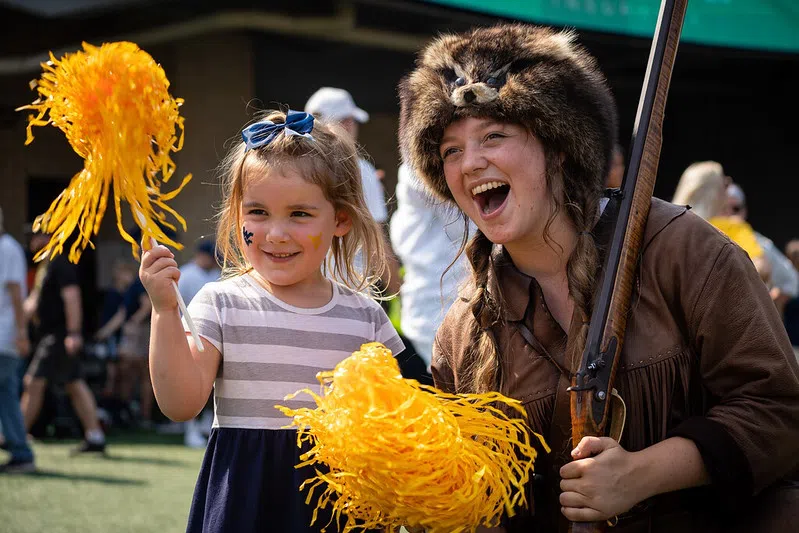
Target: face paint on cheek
316, 240
247, 236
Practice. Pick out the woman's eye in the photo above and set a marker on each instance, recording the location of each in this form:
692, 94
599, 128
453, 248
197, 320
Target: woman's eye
449, 151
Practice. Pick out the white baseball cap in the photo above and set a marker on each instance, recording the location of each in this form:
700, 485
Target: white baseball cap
332, 103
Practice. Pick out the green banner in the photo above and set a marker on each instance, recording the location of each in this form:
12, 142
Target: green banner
757, 24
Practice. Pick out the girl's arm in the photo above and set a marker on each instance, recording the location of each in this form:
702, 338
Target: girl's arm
182, 376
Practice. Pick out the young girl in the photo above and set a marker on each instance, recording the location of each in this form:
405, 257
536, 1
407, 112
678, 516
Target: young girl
293, 202
516, 125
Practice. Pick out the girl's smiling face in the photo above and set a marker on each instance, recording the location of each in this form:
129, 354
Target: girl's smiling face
497, 175
288, 227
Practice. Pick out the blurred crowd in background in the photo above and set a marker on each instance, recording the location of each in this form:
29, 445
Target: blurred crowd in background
110, 382
104, 327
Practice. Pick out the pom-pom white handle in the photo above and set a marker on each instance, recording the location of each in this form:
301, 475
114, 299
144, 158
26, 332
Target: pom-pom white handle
181, 304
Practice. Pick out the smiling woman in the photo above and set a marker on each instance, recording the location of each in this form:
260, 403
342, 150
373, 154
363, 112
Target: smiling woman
520, 139
497, 174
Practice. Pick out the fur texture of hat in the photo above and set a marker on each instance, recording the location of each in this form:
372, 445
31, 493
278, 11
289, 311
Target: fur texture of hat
530, 75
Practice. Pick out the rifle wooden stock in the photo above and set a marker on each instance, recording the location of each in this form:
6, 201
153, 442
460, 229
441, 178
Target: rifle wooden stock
592, 384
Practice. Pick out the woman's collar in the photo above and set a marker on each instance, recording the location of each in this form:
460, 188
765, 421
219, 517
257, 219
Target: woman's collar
512, 284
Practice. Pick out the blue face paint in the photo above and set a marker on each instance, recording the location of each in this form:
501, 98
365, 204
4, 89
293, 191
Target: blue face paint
247, 236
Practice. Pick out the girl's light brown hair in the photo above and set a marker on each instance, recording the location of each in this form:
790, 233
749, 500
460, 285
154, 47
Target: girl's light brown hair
329, 160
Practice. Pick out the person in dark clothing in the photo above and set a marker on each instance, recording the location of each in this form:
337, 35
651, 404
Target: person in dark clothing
54, 306
110, 333
133, 317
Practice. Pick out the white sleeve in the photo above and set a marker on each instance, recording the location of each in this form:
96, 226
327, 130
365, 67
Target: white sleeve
783, 273
183, 283
373, 191
12, 267
17, 273
414, 218
5, 267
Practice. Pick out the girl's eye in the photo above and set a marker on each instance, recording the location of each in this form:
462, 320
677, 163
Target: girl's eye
494, 135
256, 212
300, 214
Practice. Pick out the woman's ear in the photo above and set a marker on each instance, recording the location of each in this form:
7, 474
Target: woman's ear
343, 223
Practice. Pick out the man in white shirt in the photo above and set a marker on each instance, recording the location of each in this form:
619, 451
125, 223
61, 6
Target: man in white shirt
426, 236
13, 344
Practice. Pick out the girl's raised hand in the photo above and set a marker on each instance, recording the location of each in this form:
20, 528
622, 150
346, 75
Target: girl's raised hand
158, 271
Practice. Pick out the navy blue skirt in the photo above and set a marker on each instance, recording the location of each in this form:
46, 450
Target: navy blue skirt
248, 484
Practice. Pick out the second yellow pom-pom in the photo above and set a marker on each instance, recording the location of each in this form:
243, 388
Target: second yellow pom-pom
400, 453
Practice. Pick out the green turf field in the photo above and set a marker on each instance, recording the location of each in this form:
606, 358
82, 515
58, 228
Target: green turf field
144, 484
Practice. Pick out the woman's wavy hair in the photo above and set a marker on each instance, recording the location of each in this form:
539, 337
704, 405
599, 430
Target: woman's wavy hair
329, 160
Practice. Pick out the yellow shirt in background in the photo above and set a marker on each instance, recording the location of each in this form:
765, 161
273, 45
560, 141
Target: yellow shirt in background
741, 233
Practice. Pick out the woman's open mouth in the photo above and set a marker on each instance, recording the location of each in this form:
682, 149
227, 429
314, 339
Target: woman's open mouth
490, 197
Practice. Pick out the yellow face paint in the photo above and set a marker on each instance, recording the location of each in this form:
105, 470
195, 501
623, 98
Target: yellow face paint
316, 240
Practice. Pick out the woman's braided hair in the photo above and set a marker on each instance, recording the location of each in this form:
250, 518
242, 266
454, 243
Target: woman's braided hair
480, 369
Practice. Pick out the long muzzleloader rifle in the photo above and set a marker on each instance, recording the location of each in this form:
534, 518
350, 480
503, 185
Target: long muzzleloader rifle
592, 385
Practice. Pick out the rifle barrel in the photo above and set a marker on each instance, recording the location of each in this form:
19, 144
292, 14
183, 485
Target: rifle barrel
593, 382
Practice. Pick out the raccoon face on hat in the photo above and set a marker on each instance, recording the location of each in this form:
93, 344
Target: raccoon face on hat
530, 75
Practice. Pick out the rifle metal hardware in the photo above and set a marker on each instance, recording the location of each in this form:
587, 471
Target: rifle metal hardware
595, 375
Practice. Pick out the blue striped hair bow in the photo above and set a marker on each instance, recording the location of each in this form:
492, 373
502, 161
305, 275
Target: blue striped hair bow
264, 132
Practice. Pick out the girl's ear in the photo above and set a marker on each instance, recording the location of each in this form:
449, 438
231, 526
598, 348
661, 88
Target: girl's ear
343, 223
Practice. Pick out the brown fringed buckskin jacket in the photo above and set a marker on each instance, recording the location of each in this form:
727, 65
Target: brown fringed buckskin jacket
705, 357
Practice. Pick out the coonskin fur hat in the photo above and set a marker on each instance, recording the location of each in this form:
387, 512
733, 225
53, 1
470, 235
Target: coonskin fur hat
531, 75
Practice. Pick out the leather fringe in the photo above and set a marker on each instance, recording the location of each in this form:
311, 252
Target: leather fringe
656, 387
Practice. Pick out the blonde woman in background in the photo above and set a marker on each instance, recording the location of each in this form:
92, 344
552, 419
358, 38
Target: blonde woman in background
702, 186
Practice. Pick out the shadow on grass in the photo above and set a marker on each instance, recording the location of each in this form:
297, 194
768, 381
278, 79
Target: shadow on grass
52, 474
143, 460
126, 437
144, 437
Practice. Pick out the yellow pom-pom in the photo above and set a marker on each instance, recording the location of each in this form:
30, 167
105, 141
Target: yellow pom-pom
114, 107
401, 453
